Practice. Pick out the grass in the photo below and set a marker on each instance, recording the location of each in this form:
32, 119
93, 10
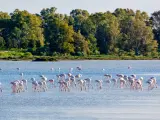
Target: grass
18, 55
93, 57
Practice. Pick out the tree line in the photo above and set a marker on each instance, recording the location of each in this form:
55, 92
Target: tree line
123, 31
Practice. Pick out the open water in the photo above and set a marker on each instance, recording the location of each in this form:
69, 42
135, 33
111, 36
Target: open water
106, 104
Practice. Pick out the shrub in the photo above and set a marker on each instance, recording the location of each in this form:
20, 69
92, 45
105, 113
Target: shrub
28, 55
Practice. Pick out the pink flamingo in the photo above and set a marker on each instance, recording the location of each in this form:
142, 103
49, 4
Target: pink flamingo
152, 83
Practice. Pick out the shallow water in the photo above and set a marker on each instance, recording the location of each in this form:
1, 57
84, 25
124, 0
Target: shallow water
107, 104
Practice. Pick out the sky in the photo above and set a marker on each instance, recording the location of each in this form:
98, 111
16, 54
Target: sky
92, 6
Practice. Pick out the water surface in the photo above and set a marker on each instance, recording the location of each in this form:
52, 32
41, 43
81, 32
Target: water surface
107, 104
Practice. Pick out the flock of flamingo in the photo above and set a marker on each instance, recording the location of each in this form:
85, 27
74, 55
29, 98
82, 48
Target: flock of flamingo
67, 82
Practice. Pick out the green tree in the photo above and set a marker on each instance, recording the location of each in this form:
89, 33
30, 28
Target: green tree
79, 17
92, 44
88, 30
58, 34
141, 37
136, 33
2, 42
80, 44
27, 31
107, 33
155, 20
5, 26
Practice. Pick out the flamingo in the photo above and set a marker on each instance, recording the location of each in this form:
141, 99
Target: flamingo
88, 82
99, 83
15, 86
44, 82
42, 86
52, 69
24, 81
82, 84
152, 83
139, 83
35, 85
108, 79
63, 86
63, 76
66, 86
114, 82
133, 76
59, 70
72, 79
21, 87
71, 69
78, 76
58, 77
129, 67
108, 76
122, 82
120, 75
51, 81
0, 87
131, 81
18, 69
79, 68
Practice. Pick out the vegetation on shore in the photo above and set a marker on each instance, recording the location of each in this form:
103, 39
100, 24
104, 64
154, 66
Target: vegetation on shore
50, 36
16, 56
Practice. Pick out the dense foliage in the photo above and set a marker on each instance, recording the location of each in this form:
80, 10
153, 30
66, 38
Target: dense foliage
49, 33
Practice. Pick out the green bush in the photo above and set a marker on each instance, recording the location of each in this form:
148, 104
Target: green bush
79, 54
28, 55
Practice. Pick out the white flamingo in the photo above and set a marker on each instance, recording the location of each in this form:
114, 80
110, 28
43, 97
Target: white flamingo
35, 85
82, 84
44, 82
120, 75
99, 84
133, 76
62, 76
108, 79
52, 69
21, 87
131, 81
58, 77
0, 87
72, 79
89, 83
24, 81
114, 82
70, 70
122, 82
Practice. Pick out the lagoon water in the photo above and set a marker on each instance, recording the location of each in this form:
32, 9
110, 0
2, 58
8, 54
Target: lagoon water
107, 104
